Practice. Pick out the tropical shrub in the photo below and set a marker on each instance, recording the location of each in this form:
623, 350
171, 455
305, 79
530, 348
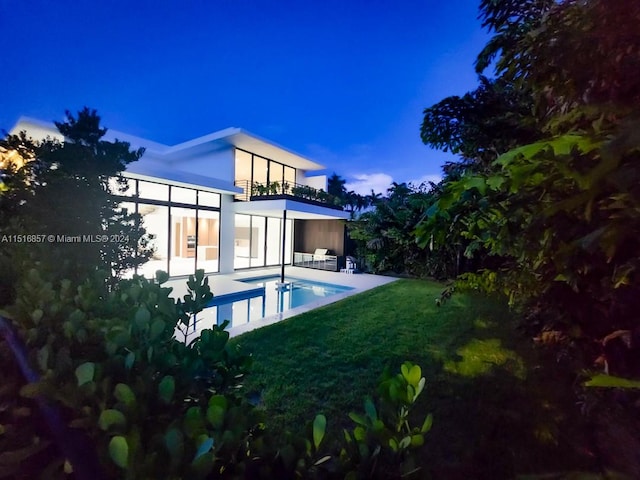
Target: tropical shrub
559, 212
380, 445
384, 235
107, 384
115, 376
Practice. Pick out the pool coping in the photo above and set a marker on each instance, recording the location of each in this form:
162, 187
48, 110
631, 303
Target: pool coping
228, 286
278, 317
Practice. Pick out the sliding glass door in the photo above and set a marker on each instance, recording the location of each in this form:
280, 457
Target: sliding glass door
258, 241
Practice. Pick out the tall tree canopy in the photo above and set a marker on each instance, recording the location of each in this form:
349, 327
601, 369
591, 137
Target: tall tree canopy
483, 124
556, 197
66, 189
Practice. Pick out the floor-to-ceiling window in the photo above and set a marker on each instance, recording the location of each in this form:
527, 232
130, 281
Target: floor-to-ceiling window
128, 208
258, 241
258, 231
182, 224
288, 241
289, 178
208, 248
183, 241
256, 170
274, 243
242, 241
155, 220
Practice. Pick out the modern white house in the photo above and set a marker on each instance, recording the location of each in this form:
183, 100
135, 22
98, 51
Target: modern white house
226, 201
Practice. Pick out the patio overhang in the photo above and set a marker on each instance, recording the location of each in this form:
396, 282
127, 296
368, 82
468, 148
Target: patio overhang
153, 172
295, 210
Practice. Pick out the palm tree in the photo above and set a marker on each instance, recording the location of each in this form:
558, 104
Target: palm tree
336, 186
351, 202
373, 198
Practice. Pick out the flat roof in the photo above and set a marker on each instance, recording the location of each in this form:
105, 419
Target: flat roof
244, 140
219, 140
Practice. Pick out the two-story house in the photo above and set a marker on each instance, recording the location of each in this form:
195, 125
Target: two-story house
226, 201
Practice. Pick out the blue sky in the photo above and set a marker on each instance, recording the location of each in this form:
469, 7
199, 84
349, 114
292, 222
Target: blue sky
342, 82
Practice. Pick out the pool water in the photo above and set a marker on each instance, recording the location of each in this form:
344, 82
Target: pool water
241, 311
299, 292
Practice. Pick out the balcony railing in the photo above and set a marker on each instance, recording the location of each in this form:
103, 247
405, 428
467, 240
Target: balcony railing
276, 190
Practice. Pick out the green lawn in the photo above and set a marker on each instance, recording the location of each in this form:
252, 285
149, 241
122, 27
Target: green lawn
496, 410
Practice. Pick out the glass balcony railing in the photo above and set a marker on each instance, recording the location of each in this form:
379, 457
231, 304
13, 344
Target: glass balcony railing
275, 190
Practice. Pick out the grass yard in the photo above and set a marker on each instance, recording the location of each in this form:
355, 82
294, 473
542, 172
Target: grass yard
496, 412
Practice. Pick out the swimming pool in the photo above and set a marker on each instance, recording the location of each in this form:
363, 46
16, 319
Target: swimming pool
269, 302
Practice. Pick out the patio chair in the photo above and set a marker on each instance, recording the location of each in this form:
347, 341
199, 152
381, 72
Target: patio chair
319, 255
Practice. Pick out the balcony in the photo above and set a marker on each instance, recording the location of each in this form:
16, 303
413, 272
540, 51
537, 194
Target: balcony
286, 190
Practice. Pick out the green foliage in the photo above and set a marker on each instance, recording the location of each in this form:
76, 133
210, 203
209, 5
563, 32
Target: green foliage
384, 235
63, 189
110, 363
610, 381
556, 215
149, 404
562, 213
336, 185
551, 220
571, 53
380, 445
481, 124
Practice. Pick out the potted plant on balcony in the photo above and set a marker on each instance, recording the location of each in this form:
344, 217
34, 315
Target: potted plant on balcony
258, 190
297, 191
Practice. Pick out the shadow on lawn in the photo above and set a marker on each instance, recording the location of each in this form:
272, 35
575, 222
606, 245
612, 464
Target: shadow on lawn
501, 410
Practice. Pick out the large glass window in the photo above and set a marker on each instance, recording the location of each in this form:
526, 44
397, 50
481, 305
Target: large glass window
183, 195
289, 178
275, 173
260, 170
288, 242
174, 229
209, 199
273, 241
257, 246
128, 208
242, 242
153, 191
252, 169
257, 241
183, 241
243, 165
155, 220
208, 240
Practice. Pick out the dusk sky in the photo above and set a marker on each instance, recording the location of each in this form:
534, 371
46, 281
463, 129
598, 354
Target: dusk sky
341, 82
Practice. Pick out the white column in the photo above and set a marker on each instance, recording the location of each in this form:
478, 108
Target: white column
227, 234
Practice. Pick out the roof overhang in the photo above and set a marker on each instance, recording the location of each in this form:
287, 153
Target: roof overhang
295, 210
213, 142
151, 172
238, 138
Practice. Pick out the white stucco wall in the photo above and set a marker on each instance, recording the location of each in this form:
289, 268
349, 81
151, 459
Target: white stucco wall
219, 164
317, 181
227, 234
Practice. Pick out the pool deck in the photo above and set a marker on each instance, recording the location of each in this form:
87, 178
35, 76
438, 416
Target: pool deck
232, 285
